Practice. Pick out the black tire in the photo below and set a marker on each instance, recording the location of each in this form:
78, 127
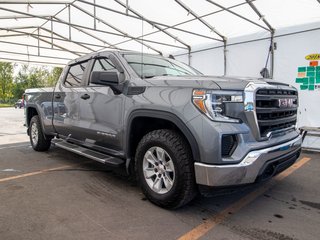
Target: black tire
183, 189
42, 143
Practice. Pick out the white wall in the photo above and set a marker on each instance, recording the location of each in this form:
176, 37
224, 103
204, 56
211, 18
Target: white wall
248, 58
209, 62
291, 55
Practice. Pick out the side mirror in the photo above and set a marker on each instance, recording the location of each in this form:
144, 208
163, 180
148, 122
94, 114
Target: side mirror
104, 78
109, 79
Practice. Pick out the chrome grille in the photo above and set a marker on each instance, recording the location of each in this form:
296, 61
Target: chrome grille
276, 109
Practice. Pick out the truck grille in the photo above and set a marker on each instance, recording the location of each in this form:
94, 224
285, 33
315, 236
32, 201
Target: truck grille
276, 109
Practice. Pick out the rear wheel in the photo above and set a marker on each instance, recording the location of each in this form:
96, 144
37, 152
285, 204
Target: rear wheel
38, 140
165, 169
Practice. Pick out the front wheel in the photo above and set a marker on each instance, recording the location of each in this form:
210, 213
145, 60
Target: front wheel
165, 169
38, 140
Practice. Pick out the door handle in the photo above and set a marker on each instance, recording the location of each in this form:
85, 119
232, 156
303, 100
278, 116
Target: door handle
85, 96
57, 96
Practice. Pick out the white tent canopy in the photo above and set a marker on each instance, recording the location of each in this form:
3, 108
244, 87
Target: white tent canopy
56, 31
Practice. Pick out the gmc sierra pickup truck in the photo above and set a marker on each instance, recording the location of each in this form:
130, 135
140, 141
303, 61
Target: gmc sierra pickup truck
173, 128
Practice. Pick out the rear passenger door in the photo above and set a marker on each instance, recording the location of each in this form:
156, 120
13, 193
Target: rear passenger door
101, 113
66, 102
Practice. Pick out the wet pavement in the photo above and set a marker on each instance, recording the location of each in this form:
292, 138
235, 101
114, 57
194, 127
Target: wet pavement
60, 195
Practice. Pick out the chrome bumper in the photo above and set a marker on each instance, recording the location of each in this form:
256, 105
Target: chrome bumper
248, 169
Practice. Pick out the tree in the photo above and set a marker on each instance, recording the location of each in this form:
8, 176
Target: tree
38, 77
6, 81
34, 77
18, 90
54, 76
29, 77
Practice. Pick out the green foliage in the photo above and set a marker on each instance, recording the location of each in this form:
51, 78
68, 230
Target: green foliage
17, 90
12, 88
54, 76
6, 81
34, 77
4, 105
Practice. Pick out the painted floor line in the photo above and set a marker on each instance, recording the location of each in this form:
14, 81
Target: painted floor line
210, 223
33, 173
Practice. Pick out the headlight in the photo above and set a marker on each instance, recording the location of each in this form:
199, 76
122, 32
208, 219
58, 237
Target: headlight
213, 103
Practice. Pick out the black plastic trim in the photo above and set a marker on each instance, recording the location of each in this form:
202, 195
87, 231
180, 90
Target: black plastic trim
34, 106
165, 116
278, 165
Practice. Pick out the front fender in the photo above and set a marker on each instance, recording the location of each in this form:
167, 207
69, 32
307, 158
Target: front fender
165, 116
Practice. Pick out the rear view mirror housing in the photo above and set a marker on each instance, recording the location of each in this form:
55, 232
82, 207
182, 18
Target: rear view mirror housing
104, 78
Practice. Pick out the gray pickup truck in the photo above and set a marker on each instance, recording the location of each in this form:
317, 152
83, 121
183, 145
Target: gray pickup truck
175, 129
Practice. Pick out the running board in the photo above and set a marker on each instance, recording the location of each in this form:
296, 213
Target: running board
94, 155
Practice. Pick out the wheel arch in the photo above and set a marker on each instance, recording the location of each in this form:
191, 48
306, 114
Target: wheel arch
160, 117
32, 111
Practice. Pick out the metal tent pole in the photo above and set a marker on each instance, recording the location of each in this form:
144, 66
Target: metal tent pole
79, 53
93, 36
69, 18
189, 10
225, 57
38, 42
64, 39
238, 15
122, 34
208, 25
117, 29
165, 26
271, 29
31, 61
94, 15
51, 32
35, 55
154, 25
181, 23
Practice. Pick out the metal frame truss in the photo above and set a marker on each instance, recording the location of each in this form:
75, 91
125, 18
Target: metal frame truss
49, 36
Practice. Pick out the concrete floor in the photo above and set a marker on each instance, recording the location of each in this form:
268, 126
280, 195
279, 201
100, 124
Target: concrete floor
11, 126
59, 195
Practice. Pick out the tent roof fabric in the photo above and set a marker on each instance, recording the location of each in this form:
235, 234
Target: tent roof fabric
56, 31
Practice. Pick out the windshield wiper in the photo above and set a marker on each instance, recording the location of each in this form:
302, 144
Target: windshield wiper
149, 76
165, 74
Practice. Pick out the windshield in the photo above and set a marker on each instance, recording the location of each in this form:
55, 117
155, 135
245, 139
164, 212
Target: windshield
148, 66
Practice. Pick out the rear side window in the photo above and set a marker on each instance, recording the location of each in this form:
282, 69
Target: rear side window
75, 74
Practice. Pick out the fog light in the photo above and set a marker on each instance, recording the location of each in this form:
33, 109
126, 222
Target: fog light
250, 158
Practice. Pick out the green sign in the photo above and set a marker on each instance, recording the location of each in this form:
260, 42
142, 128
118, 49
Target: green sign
309, 76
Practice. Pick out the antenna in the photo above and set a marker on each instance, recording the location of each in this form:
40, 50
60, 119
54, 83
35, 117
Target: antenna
142, 33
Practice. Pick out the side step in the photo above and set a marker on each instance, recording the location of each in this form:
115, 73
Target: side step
97, 156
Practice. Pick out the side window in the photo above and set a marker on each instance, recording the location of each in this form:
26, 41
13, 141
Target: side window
104, 64
75, 74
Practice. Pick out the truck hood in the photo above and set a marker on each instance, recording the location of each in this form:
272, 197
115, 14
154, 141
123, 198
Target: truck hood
37, 90
211, 82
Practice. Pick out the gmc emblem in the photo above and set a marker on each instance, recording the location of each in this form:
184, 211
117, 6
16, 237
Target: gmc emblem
285, 102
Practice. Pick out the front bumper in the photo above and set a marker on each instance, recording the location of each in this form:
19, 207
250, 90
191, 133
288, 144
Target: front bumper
256, 165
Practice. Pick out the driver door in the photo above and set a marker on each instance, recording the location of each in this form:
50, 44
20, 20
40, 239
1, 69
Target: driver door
101, 112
